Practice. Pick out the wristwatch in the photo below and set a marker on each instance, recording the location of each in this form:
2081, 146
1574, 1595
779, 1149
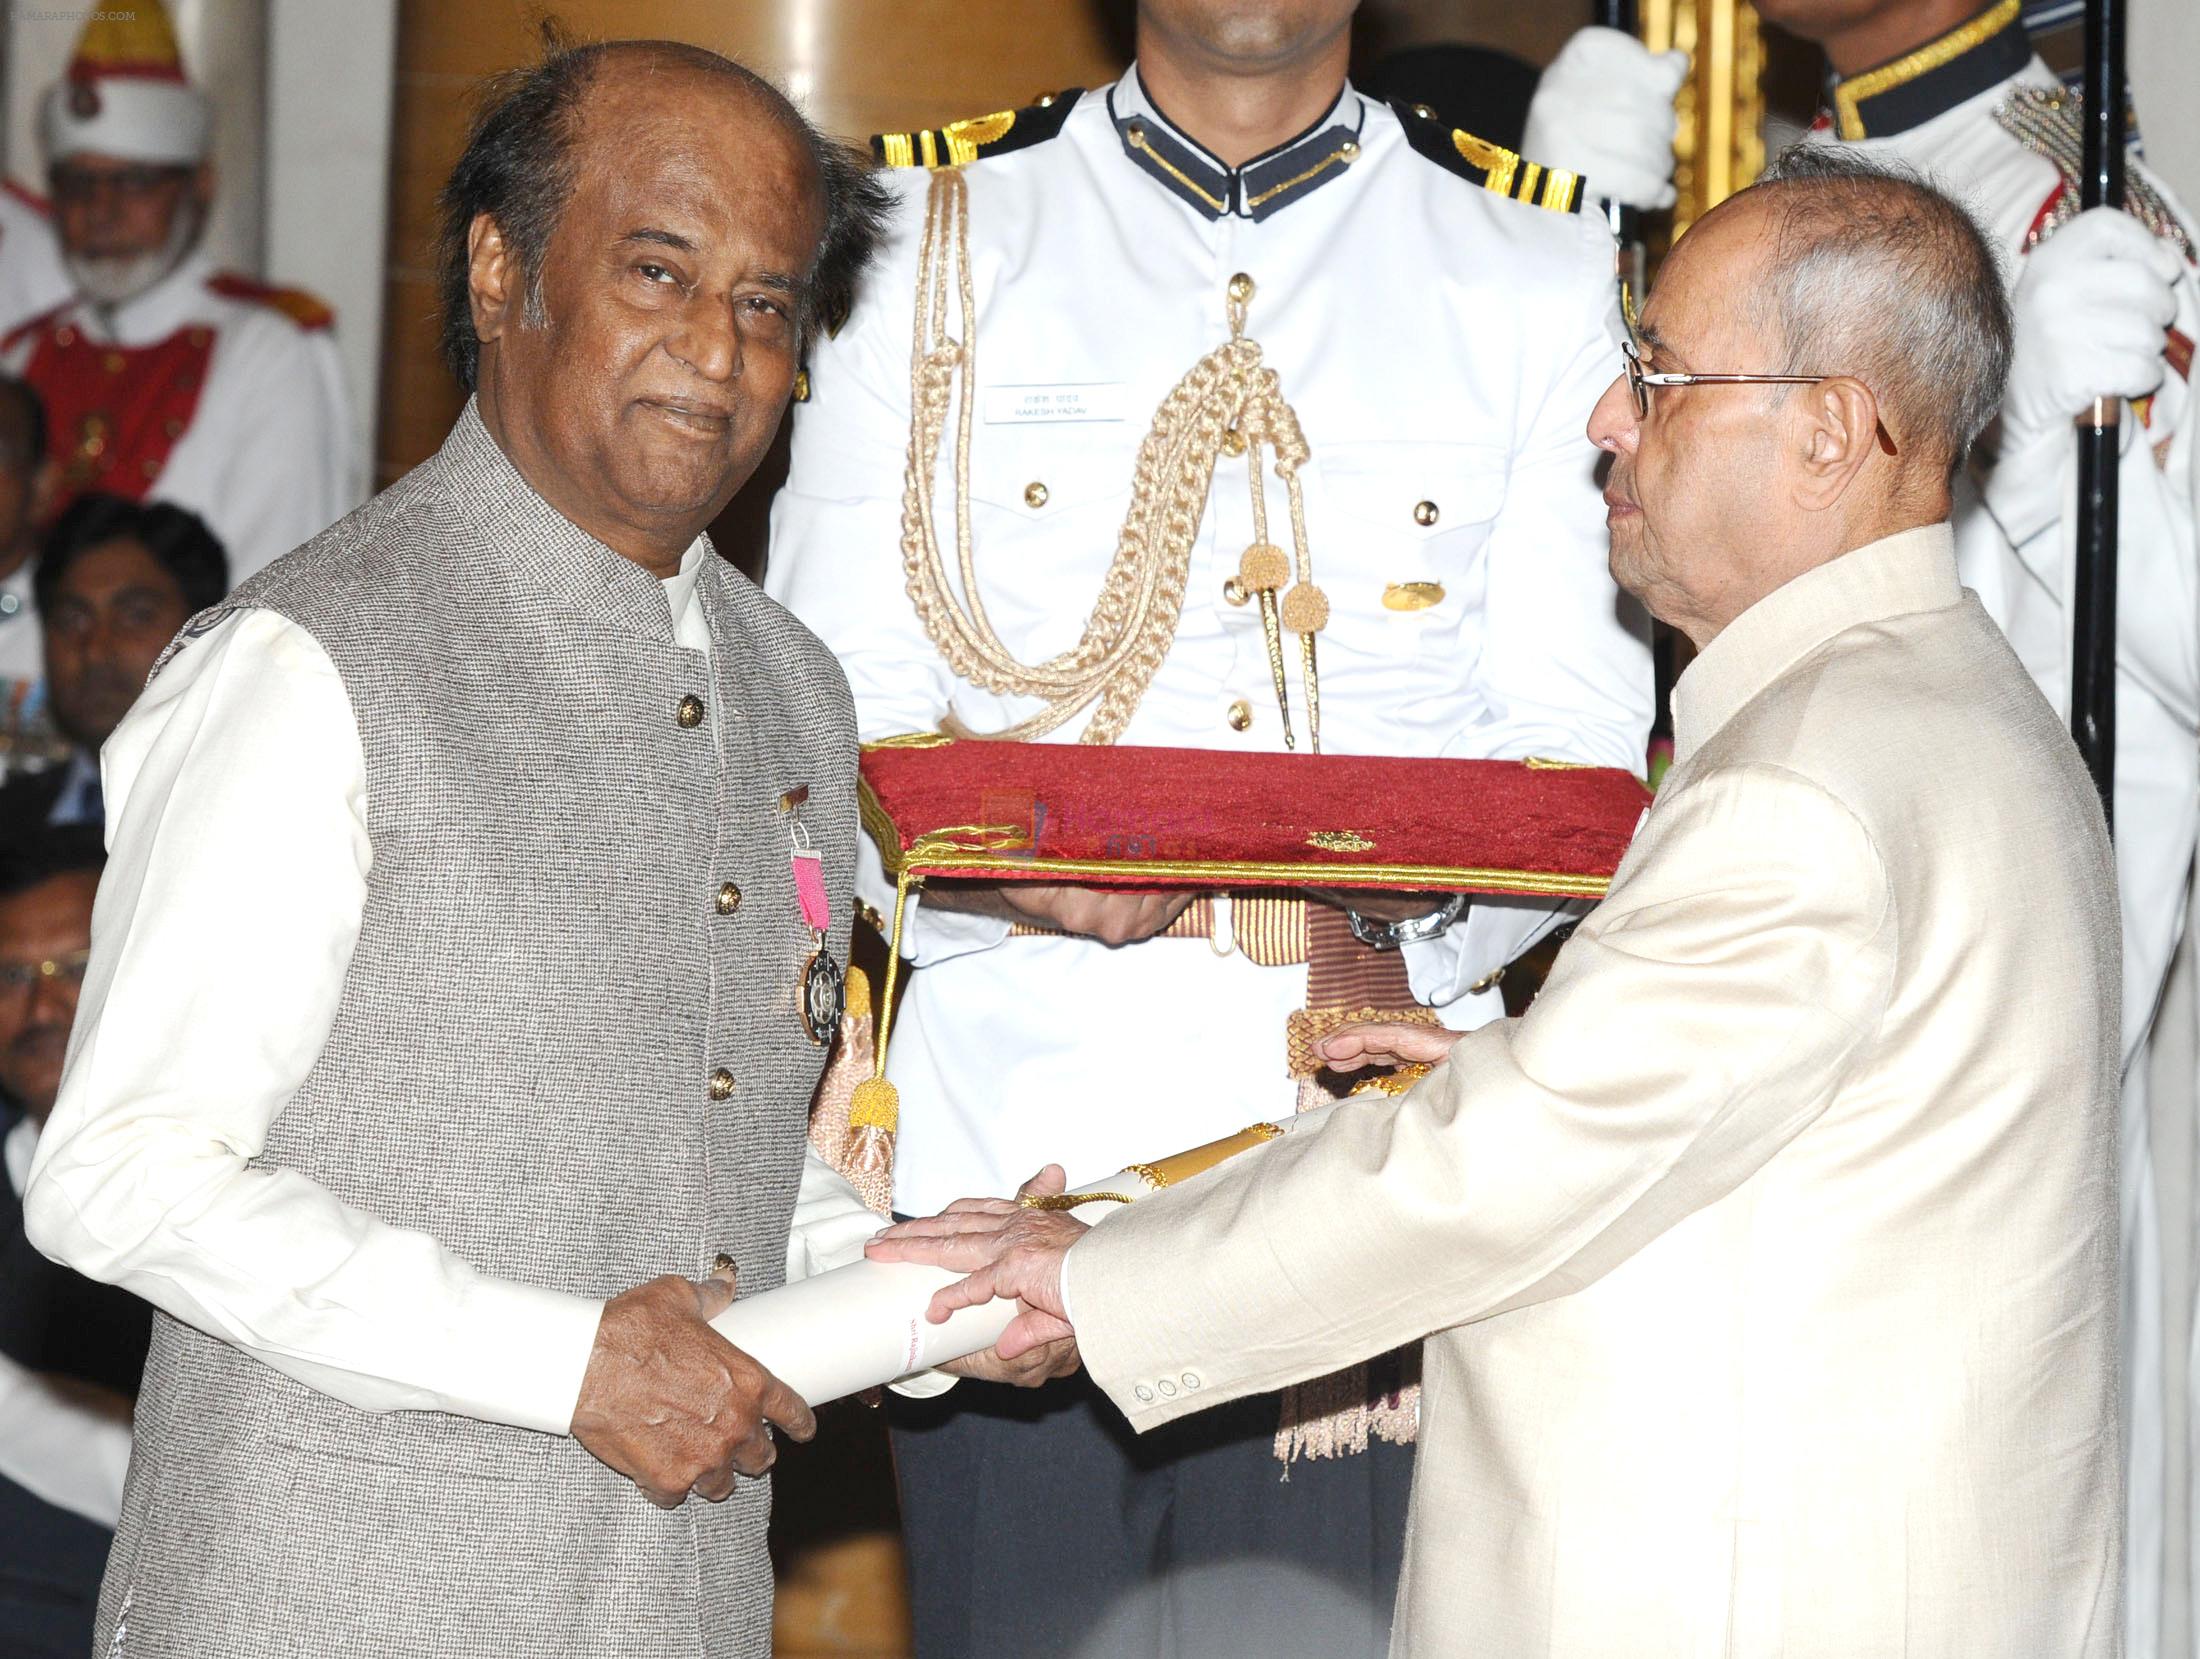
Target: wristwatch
1411, 931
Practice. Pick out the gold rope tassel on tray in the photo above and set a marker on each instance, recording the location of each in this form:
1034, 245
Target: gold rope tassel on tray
1229, 402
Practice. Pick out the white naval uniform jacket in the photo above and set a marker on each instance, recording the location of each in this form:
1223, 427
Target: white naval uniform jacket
2016, 543
1773, 1250
267, 459
1442, 345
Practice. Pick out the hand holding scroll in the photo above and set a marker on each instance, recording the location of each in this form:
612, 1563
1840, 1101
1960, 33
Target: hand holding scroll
1008, 1250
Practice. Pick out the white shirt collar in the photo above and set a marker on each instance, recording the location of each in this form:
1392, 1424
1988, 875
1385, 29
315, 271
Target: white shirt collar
688, 626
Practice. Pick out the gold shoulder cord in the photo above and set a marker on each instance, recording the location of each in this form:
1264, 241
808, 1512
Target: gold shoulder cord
1228, 404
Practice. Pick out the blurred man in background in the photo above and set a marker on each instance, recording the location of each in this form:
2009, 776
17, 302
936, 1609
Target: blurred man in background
115, 580
162, 376
71, 1351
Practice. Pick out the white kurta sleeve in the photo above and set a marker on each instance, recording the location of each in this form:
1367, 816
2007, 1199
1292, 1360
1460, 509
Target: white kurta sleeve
1565, 667
223, 930
1707, 1015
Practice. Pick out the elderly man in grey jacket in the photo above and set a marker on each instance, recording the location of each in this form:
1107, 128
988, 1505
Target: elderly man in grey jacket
453, 1008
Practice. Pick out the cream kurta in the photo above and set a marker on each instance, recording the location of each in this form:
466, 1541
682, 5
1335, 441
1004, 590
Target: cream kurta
1775, 1249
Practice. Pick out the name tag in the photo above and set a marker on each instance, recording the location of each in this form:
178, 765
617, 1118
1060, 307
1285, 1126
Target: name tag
1092, 400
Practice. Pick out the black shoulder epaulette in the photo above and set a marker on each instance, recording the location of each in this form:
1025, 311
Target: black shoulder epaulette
984, 135
1495, 168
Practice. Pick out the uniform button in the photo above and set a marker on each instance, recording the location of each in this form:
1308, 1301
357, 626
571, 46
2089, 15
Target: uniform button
729, 898
1241, 288
1234, 591
690, 712
721, 1084
1424, 112
1239, 715
1045, 100
1193, 1381
1145, 1394
721, 1262
1168, 1389
1035, 494
1233, 442
1425, 513
1349, 151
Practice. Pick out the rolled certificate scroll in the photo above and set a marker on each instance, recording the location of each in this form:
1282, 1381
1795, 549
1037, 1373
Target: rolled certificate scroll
864, 1324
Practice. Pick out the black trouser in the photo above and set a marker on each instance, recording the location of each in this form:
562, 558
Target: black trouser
1037, 1524
51, 1561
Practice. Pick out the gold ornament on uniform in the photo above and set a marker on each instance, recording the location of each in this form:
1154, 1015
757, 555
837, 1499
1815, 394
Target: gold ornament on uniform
1228, 404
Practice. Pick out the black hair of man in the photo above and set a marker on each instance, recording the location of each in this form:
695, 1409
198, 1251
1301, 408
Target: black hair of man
38, 856
22, 426
177, 538
518, 168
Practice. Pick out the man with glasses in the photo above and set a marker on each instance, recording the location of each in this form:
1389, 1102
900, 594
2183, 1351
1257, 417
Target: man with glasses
162, 376
1768, 1262
70, 1350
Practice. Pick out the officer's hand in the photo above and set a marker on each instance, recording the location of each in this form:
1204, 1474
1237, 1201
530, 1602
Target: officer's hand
1113, 918
1604, 109
2091, 308
674, 1406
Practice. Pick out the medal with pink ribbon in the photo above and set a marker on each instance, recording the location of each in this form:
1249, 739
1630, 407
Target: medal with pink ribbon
822, 990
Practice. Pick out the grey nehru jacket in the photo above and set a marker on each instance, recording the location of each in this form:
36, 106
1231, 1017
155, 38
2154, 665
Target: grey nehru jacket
521, 1066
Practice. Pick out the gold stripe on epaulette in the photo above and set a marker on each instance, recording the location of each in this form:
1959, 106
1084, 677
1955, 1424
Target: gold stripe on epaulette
1498, 164
954, 145
1559, 190
1529, 174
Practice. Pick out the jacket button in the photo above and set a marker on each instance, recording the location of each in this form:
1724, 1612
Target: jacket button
1425, 513
1193, 1381
721, 1263
1168, 1389
1239, 715
1234, 591
690, 712
1035, 494
729, 898
721, 1084
1145, 1394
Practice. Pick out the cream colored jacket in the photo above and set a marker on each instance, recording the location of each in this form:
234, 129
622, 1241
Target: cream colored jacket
1773, 1252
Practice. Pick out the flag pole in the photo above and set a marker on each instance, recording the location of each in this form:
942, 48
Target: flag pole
1625, 221
2093, 606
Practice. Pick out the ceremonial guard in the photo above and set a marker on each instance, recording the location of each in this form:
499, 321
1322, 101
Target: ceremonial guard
163, 376
1224, 408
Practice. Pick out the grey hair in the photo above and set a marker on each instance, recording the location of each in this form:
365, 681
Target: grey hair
1877, 274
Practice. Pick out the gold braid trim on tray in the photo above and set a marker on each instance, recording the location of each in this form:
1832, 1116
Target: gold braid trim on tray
1306, 1027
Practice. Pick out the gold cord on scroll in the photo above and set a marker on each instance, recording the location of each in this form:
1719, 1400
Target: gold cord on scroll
1229, 403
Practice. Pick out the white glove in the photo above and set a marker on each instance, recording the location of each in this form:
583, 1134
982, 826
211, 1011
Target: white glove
1604, 109
2091, 307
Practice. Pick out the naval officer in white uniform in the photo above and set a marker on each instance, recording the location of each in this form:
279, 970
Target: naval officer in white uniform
1440, 317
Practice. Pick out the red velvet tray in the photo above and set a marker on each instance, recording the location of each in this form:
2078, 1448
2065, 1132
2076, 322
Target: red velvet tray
1138, 817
